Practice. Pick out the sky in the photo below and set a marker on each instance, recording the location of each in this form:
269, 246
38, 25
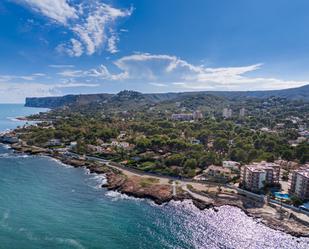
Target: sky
58, 47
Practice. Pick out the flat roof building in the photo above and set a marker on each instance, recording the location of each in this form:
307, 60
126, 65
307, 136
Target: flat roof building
256, 175
299, 183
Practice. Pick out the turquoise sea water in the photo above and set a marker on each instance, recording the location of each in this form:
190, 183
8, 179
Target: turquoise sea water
45, 204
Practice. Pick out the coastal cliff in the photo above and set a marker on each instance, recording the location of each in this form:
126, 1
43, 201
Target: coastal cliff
54, 102
143, 186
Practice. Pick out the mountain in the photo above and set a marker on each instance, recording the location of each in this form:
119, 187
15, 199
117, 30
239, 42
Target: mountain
133, 97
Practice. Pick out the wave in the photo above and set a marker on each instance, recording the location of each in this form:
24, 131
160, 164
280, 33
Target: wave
14, 119
5, 217
87, 171
5, 146
32, 237
95, 180
68, 242
58, 162
14, 156
72, 243
5, 155
115, 196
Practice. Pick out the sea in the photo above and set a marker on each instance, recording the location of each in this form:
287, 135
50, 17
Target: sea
46, 204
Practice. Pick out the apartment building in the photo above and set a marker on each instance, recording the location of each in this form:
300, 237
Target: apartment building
256, 175
299, 182
227, 113
187, 116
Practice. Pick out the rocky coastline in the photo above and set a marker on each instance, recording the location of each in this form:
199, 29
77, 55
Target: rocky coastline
150, 188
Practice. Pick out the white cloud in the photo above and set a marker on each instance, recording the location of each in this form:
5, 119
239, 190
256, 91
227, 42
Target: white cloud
61, 66
101, 73
75, 49
112, 44
73, 85
165, 70
58, 10
19, 91
158, 84
97, 27
72, 73
39, 74
92, 24
6, 78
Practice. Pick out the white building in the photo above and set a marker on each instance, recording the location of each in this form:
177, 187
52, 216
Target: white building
227, 113
242, 112
256, 175
182, 116
299, 183
231, 164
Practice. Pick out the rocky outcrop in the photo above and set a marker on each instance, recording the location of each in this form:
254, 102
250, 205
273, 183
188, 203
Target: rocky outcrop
136, 186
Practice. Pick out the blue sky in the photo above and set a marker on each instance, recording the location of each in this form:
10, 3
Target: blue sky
57, 47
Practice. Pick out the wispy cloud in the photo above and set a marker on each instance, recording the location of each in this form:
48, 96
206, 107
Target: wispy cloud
158, 84
19, 91
166, 70
91, 22
61, 66
7, 77
57, 10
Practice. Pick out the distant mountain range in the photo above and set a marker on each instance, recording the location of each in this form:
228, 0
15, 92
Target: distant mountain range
300, 93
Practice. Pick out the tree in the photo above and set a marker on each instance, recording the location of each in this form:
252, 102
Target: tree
221, 144
142, 143
302, 152
203, 136
239, 155
175, 159
190, 163
208, 159
287, 155
296, 201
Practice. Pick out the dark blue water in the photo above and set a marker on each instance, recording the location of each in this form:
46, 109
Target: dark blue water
45, 204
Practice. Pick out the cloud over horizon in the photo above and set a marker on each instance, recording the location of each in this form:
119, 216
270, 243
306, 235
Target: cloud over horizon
165, 70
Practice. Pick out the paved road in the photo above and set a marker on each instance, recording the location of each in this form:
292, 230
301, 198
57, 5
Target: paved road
163, 179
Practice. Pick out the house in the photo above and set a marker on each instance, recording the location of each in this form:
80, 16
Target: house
195, 141
73, 145
217, 172
124, 145
54, 142
122, 135
304, 134
231, 164
182, 117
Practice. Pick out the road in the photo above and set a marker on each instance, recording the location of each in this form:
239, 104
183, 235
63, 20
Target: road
181, 182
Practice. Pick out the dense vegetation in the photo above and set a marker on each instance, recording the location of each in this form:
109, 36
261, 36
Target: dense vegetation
162, 145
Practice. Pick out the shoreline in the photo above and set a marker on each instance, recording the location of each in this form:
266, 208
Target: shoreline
150, 187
